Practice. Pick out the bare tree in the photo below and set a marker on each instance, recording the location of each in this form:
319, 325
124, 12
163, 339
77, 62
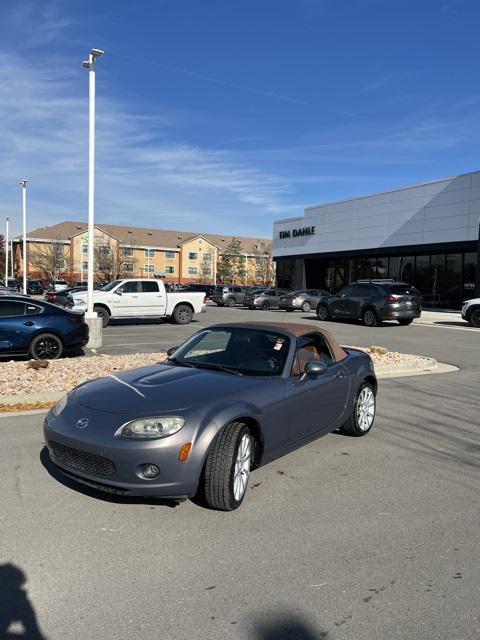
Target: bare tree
206, 270
48, 260
111, 260
264, 262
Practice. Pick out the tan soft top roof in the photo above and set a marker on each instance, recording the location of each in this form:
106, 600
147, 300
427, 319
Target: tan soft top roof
296, 330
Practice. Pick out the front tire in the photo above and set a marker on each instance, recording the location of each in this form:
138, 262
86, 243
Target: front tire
265, 306
46, 346
230, 302
182, 314
474, 318
323, 312
363, 413
103, 314
227, 467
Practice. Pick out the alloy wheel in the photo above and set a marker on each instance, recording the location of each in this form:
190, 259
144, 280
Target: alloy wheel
242, 467
369, 318
365, 408
306, 306
47, 349
475, 318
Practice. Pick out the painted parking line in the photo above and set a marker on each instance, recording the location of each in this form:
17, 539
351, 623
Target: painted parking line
444, 326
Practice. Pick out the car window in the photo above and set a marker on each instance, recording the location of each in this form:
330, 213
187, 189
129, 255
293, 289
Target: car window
364, 290
312, 292
246, 351
311, 348
11, 308
237, 290
272, 294
129, 287
150, 287
347, 291
33, 309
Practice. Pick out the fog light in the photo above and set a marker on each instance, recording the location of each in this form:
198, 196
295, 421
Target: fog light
150, 470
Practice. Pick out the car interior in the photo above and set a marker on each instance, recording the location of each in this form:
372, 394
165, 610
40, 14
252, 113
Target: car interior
311, 348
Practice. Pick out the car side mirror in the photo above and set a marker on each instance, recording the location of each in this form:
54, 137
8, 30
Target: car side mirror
171, 350
117, 292
314, 368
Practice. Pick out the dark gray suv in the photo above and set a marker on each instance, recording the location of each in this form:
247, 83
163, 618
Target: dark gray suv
373, 301
228, 294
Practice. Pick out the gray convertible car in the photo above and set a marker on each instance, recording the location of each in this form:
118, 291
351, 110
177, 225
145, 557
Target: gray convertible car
229, 399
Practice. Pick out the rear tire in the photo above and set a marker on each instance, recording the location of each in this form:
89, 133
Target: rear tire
227, 467
182, 314
369, 318
405, 322
103, 314
322, 312
265, 306
306, 306
474, 318
363, 413
46, 346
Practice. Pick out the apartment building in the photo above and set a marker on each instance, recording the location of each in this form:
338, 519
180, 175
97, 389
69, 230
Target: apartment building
61, 251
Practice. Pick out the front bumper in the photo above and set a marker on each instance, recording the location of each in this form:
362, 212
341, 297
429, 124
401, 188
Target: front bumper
85, 462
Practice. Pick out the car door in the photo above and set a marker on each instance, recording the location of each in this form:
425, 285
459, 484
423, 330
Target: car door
341, 303
125, 299
151, 299
315, 404
239, 295
15, 326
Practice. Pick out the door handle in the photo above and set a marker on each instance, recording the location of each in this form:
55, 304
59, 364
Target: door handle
29, 323
339, 375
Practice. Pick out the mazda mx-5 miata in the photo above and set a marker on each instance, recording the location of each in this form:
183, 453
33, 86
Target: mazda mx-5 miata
229, 399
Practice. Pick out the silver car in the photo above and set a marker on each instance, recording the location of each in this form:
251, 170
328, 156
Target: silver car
228, 294
302, 300
264, 299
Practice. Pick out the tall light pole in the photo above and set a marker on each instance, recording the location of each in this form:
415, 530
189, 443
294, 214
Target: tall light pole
6, 251
90, 65
24, 221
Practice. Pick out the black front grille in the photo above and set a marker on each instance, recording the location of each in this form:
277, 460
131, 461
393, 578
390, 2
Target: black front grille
81, 460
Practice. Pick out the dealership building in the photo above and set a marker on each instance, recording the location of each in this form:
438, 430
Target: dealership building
426, 235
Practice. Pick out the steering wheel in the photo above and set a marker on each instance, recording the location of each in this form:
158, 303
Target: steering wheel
269, 363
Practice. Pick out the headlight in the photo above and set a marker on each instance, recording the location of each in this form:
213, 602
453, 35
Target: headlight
80, 302
60, 406
151, 428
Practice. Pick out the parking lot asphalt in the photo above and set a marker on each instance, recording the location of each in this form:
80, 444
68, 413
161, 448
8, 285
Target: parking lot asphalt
367, 538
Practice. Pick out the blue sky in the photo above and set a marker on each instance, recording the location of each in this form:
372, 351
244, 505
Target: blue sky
222, 116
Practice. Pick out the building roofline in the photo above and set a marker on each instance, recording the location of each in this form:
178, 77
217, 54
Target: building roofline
378, 193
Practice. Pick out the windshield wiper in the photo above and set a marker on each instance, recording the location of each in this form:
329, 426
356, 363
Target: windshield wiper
217, 367
181, 363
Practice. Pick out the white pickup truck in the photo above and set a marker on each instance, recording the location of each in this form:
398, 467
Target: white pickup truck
141, 299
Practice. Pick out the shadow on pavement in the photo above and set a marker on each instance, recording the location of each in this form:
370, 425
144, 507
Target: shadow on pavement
16, 611
453, 323
98, 494
285, 626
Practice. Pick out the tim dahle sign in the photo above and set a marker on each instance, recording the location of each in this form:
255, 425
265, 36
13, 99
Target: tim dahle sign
296, 233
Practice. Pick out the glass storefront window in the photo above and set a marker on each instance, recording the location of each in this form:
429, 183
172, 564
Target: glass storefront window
394, 267
422, 274
382, 268
469, 274
453, 278
407, 273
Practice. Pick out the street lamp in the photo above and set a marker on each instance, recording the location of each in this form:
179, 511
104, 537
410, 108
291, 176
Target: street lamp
6, 251
90, 65
24, 220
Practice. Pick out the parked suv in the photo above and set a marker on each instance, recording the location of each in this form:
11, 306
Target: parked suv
302, 300
373, 301
228, 294
207, 289
264, 298
471, 311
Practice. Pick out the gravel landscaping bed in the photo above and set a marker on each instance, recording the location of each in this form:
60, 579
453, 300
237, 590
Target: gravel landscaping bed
18, 378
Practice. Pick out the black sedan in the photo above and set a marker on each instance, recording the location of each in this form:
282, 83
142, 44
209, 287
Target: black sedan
231, 398
39, 329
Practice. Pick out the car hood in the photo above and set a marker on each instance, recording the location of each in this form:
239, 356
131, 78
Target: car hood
159, 389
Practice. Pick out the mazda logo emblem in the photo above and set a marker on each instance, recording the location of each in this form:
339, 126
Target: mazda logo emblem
82, 423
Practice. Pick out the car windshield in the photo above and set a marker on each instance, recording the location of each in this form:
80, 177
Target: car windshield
110, 285
238, 350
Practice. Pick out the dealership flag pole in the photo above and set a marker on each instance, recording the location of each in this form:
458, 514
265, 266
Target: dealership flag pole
24, 220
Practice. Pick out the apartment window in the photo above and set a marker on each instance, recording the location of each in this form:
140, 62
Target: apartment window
207, 257
149, 253
61, 264
84, 265
169, 255
258, 275
207, 271
103, 250
169, 269
149, 268
84, 248
128, 268
192, 255
192, 271
128, 251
